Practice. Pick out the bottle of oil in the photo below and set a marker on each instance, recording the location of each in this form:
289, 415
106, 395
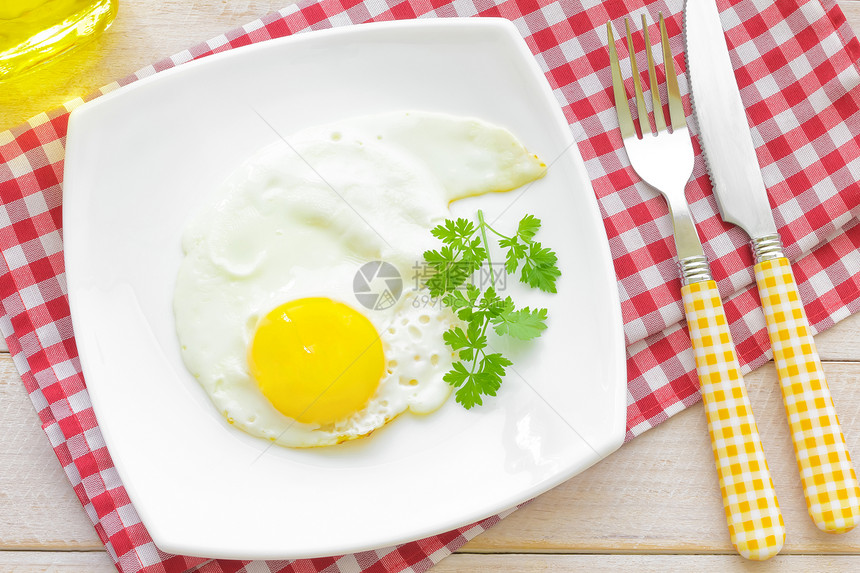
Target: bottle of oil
34, 31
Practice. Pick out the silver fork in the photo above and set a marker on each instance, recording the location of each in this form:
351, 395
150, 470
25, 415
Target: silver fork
664, 160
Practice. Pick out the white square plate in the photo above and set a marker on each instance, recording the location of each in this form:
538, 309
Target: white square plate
141, 160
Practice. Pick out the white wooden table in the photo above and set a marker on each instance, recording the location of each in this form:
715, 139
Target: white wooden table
652, 506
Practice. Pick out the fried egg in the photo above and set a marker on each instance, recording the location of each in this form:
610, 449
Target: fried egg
297, 304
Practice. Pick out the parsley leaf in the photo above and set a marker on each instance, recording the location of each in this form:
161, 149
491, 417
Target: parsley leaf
523, 324
539, 268
465, 249
528, 227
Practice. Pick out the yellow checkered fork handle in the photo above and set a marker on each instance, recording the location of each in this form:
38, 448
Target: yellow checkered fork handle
752, 510
829, 482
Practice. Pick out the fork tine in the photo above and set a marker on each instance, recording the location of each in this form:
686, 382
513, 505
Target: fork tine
652, 80
676, 108
622, 106
637, 83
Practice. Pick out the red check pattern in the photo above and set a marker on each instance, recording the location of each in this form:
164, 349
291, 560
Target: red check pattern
796, 63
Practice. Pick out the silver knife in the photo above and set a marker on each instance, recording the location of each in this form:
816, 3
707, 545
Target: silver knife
829, 481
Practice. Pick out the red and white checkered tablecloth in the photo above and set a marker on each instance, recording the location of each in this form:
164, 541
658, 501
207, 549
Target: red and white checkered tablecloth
797, 65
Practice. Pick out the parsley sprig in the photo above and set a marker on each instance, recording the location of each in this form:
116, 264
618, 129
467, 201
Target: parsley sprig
465, 249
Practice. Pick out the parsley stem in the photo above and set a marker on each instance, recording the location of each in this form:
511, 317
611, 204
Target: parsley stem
484, 226
480, 350
498, 234
455, 256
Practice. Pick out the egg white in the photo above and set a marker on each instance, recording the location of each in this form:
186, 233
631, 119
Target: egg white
299, 219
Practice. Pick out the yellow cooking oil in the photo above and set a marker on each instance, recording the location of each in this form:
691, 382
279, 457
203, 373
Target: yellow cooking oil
34, 31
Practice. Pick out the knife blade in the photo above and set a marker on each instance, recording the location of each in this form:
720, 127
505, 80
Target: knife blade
829, 480
724, 132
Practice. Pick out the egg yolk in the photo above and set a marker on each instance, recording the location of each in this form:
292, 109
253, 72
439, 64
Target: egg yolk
316, 360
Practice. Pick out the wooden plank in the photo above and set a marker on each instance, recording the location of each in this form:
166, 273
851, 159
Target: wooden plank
842, 341
657, 494
851, 9
98, 562
56, 562
645, 563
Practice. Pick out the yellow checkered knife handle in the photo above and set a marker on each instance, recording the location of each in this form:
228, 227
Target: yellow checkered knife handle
752, 510
829, 482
